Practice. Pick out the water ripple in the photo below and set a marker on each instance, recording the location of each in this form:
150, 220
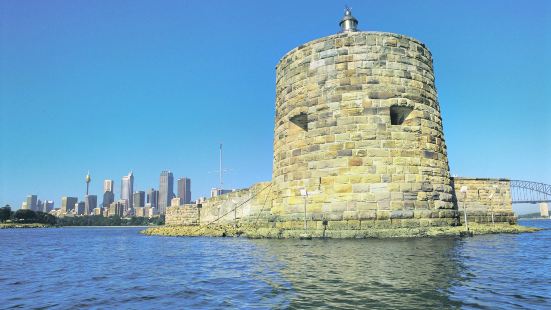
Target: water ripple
118, 268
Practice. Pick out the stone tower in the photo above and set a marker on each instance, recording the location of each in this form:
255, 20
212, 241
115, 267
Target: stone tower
358, 128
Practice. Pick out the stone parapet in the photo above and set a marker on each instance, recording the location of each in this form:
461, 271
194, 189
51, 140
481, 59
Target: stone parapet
187, 214
238, 206
246, 205
485, 198
488, 217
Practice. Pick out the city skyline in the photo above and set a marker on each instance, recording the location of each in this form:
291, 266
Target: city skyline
140, 199
93, 86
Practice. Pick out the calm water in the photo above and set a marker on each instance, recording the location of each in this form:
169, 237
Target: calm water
119, 268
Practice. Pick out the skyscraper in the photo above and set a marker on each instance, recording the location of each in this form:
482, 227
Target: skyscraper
90, 203
79, 208
68, 204
117, 208
153, 198
108, 199
139, 199
108, 194
108, 186
127, 188
48, 206
31, 202
166, 190
184, 189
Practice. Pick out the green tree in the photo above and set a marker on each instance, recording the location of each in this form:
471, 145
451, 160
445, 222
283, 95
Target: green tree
115, 220
25, 216
158, 220
5, 213
98, 220
45, 218
138, 221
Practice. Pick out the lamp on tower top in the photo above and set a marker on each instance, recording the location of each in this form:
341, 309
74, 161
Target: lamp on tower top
348, 22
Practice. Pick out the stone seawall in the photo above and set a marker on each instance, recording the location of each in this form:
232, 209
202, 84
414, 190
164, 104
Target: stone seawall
375, 232
486, 200
245, 205
188, 215
254, 206
242, 206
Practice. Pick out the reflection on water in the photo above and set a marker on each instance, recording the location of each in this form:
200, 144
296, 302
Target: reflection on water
512, 271
118, 268
379, 273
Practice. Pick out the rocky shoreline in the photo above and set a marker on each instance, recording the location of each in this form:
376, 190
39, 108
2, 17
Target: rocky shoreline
281, 233
19, 225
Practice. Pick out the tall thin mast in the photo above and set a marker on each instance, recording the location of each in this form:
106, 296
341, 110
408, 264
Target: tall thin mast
221, 181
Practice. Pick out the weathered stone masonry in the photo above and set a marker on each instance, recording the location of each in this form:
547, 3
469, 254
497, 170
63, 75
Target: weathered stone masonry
358, 127
485, 199
247, 205
358, 123
187, 214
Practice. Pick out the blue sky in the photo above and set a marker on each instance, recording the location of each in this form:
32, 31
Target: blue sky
114, 86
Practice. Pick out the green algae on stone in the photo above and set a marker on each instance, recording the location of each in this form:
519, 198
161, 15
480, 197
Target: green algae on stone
282, 233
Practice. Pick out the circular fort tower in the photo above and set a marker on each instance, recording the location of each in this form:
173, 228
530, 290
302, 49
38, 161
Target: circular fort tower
358, 127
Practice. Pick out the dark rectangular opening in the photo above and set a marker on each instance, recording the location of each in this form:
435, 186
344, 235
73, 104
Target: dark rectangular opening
398, 114
301, 120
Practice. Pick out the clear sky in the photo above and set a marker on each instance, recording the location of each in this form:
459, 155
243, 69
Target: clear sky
114, 86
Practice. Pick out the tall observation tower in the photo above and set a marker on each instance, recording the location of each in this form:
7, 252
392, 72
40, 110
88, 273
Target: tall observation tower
88, 179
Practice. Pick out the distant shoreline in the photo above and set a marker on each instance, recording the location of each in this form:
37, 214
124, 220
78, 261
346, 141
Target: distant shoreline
37, 225
25, 225
105, 226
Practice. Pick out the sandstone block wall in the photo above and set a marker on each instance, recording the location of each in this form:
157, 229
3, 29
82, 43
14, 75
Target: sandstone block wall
254, 206
485, 197
188, 214
240, 206
358, 125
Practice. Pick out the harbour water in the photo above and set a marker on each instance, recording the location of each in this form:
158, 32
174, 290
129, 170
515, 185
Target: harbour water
82, 268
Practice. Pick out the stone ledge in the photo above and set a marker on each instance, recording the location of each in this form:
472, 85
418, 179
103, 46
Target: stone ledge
349, 34
480, 179
280, 233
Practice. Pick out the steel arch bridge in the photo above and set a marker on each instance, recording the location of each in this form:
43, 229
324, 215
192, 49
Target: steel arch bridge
530, 192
